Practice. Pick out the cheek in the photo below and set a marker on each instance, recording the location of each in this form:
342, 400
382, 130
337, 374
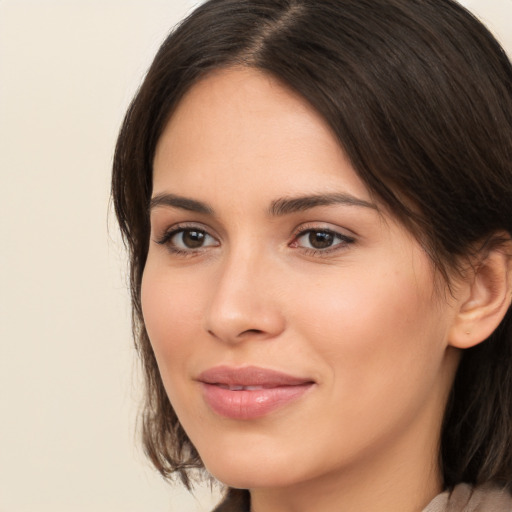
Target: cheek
379, 328
380, 341
366, 302
172, 311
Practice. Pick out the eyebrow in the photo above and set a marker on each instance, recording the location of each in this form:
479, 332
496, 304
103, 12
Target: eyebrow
183, 203
285, 206
279, 207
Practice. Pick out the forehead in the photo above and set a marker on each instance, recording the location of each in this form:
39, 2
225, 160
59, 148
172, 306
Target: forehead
245, 128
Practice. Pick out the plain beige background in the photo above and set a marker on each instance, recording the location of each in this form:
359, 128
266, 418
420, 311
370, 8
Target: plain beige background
68, 377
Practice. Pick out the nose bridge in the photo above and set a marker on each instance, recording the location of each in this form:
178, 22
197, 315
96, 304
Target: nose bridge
243, 304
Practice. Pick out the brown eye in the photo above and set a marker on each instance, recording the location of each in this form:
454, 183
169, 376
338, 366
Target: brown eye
191, 238
188, 240
320, 239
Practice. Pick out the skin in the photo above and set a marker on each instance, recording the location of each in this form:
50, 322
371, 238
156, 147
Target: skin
362, 318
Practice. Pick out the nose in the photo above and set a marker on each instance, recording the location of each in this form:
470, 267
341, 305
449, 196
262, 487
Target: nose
245, 301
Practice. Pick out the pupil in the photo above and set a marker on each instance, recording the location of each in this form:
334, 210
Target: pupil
193, 239
320, 239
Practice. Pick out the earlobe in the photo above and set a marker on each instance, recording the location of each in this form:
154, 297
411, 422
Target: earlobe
485, 297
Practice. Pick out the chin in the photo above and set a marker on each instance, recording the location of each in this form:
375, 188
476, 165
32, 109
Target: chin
254, 470
256, 477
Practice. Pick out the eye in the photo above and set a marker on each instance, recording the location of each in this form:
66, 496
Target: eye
320, 240
191, 239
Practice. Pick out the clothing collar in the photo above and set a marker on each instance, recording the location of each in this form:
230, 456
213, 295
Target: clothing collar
462, 498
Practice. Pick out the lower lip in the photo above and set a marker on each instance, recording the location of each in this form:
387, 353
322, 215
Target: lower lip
250, 404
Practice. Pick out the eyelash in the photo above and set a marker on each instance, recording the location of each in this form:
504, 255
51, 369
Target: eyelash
342, 240
167, 237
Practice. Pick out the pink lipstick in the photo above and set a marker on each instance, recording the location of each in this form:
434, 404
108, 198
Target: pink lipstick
249, 392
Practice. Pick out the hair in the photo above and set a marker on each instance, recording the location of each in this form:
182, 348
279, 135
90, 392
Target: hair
419, 94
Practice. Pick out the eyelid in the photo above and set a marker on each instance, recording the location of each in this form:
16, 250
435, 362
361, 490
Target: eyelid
321, 227
167, 234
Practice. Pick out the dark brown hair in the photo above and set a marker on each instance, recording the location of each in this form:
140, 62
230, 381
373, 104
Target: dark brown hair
419, 94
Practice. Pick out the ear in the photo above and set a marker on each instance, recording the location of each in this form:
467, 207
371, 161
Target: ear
484, 296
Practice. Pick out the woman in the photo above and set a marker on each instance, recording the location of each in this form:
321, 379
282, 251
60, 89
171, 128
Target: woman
317, 200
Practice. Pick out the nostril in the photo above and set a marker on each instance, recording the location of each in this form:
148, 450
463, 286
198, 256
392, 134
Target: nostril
242, 334
251, 331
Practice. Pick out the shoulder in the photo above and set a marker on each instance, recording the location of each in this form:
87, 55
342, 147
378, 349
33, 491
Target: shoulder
465, 498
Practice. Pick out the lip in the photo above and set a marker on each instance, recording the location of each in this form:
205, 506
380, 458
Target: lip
250, 392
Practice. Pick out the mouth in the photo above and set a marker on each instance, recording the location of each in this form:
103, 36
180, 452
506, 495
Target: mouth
241, 388
250, 392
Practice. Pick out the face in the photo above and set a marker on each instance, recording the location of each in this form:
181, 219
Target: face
296, 324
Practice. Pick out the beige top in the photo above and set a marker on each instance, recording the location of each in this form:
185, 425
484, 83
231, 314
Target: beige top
463, 498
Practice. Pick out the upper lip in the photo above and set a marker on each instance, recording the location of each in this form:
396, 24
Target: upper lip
250, 376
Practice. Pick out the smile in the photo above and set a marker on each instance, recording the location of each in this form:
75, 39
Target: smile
240, 388
250, 392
